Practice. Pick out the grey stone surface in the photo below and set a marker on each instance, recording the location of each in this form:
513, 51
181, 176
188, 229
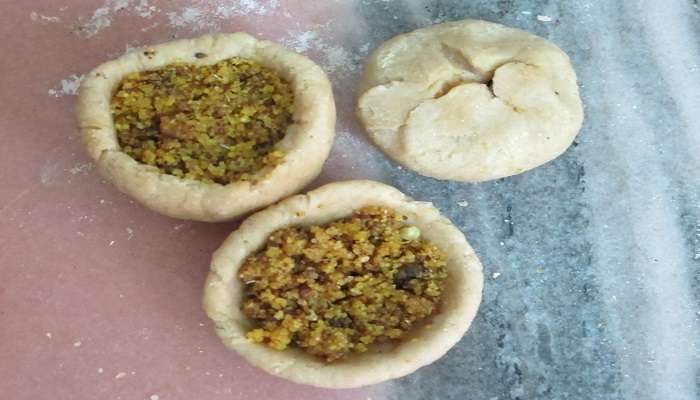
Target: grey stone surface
592, 261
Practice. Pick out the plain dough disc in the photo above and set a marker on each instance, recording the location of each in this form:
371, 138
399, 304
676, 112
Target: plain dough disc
223, 290
306, 144
470, 100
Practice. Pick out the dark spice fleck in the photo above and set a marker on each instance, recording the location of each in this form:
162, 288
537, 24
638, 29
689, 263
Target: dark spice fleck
406, 274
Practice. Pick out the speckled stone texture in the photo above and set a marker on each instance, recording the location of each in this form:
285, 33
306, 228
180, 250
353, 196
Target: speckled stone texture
592, 261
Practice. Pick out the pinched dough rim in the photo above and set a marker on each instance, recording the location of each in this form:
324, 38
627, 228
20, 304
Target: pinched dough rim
223, 290
307, 142
435, 69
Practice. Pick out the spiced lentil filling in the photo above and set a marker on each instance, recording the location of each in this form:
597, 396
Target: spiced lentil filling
337, 288
216, 123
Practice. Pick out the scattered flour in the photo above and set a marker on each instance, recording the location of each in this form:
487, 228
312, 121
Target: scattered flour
544, 18
48, 171
43, 19
120, 375
334, 58
67, 87
226, 9
208, 15
188, 17
103, 16
302, 41
149, 27
337, 59
81, 168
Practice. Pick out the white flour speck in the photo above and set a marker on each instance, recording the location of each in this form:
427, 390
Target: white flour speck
189, 17
48, 171
302, 41
67, 87
120, 375
111, 243
78, 168
144, 10
495, 275
154, 397
43, 19
544, 18
364, 49
48, 335
101, 19
130, 232
226, 9
336, 58
463, 203
149, 27
100, 370
526, 12
77, 344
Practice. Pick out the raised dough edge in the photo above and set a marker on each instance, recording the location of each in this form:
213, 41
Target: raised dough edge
307, 143
223, 291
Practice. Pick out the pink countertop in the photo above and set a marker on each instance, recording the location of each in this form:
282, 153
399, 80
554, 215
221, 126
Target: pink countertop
99, 297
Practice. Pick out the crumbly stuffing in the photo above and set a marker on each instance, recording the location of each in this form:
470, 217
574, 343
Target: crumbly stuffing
337, 288
217, 123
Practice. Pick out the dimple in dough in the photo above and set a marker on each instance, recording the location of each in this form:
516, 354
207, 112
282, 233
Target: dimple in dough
470, 100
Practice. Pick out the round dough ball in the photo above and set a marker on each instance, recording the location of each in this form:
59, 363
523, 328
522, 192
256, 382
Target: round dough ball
223, 291
470, 100
306, 144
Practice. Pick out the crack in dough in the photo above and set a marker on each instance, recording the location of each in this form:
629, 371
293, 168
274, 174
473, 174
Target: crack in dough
470, 100
462, 63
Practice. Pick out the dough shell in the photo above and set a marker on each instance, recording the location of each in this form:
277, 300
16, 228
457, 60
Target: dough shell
470, 100
307, 142
223, 290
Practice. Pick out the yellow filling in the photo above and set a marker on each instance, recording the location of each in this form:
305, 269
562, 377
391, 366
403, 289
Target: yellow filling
217, 123
335, 289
